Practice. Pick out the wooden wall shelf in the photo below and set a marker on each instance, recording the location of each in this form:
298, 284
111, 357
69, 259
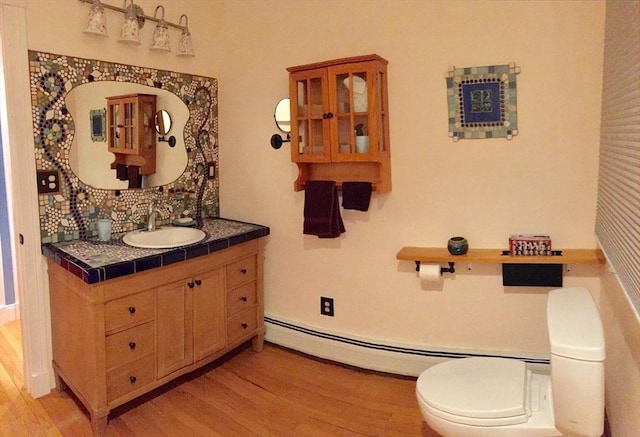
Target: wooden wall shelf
438, 254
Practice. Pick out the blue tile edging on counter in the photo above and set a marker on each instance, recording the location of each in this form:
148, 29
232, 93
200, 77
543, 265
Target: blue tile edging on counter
94, 261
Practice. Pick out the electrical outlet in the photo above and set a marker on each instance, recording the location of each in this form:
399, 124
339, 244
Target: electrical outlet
326, 306
48, 182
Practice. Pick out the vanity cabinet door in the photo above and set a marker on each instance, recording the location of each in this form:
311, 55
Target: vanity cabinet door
208, 314
174, 333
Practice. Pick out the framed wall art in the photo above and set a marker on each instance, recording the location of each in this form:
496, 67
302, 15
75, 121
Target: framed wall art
482, 102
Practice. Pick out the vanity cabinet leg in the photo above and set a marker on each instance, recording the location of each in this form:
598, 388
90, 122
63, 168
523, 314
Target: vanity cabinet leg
257, 342
99, 425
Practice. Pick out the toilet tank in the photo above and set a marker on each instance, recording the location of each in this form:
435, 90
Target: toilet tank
576, 338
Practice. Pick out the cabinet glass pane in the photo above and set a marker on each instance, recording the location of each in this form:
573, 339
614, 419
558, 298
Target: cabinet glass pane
317, 140
310, 116
309, 97
351, 92
361, 131
114, 131
345, 135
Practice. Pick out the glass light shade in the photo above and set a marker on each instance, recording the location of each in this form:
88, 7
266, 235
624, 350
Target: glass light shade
185, 45
97, 22
161, 37
130, 32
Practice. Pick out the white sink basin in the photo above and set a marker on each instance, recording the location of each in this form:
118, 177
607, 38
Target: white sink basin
163, 238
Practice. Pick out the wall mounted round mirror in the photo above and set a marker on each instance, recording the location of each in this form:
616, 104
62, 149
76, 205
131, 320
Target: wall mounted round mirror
162, 121
282, 114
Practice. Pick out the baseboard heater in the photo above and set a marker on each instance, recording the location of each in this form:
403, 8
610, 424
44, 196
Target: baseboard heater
402, 360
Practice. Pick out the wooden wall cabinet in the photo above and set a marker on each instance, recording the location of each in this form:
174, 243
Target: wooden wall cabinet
131, 133
116, 340
340, 121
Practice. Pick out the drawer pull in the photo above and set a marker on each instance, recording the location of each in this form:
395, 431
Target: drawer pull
243, 298
244, 326
191, 284
132, 379
198, 282
243, 271
132, 310
132, 345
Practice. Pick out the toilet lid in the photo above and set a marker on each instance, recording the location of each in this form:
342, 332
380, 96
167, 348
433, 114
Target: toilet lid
478, 388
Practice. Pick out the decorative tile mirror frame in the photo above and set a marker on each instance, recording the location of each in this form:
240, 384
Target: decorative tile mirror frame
482, 102
71, 213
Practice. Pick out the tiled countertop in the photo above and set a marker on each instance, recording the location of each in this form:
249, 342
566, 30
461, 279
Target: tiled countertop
95, 261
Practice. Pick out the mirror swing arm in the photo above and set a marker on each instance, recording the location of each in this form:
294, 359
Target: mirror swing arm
162, 121
282, 117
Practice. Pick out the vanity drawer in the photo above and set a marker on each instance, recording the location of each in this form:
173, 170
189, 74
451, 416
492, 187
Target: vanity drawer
240, 298
129, 345
133, 376
242, 324
129, 311
241, 271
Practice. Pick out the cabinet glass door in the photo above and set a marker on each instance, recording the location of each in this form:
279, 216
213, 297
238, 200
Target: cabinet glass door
114, 130
309, 116
130, 138
352, 113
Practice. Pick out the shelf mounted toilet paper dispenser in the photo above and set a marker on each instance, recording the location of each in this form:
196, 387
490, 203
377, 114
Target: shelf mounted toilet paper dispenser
443, 270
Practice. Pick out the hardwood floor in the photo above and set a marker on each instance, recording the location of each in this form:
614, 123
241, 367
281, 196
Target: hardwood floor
276, 392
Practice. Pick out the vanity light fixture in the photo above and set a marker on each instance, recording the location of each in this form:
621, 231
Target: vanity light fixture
134, 21
161, 33
130, 32
185, 45
97, 22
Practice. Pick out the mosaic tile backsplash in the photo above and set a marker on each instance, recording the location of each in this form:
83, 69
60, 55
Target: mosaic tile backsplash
72, 213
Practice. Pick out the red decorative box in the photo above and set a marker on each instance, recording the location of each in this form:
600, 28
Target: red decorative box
530, 245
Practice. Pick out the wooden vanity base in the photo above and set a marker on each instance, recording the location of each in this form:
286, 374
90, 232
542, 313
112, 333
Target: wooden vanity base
118, 339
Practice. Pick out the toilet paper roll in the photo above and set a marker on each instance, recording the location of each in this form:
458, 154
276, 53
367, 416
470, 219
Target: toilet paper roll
430, 273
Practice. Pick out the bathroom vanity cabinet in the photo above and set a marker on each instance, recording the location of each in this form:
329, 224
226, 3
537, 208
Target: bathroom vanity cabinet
117, 339
131, 134
340, 121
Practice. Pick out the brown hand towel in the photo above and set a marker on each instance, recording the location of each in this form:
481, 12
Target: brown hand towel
356, 195
322, 210
121, 172
135, 178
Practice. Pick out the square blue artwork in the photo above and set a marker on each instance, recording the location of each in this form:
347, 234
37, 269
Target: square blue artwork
482, 102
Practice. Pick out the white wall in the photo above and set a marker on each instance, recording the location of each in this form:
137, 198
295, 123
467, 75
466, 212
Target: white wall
544, 180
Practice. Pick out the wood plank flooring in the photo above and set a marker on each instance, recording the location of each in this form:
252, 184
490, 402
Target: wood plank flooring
276, 392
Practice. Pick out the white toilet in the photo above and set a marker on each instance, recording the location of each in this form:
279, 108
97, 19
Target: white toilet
496, 397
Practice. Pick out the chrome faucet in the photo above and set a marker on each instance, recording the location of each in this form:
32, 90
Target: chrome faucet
151, 220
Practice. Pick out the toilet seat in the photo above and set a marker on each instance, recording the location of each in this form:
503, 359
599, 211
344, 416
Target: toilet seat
478, 391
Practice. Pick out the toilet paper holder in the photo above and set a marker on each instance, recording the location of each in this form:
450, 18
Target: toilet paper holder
450, 269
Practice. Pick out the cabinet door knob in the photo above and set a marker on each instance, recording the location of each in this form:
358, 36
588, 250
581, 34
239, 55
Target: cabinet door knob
132, 310
243, 271
243, 298
244, 326
191, 284
132, 345
198, 282
132, 379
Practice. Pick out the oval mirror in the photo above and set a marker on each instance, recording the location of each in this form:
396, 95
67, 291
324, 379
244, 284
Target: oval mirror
91, 161
282, 114
162, 121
